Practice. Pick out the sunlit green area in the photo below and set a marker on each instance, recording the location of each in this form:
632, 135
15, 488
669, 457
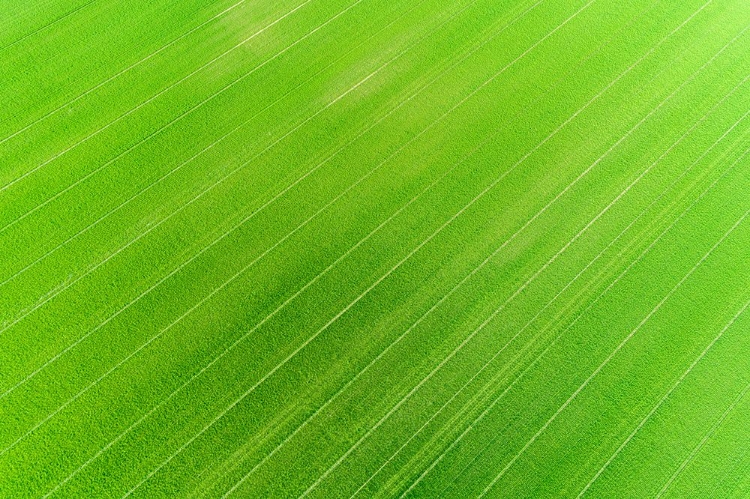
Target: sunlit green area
374, 248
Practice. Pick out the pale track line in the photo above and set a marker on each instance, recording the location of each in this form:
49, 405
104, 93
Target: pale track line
474, 400
662, 400
67, 285
572, 281
46, 26
151, 99
428, 311
120, 73
390, 346
268, 317
280, 194
703, 441
611, 355
342, 312
539, 313
192, 158
228, 349
468, 338
258, 258
528, 368
273, 313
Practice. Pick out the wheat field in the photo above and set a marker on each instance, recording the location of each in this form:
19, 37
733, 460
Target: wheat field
374, 248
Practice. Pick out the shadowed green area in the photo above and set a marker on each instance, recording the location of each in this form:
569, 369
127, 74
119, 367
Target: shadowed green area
374, 248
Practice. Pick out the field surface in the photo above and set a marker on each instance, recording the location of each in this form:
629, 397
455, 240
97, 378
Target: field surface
374, 248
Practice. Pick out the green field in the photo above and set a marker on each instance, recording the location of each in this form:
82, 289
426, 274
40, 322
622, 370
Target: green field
375, 248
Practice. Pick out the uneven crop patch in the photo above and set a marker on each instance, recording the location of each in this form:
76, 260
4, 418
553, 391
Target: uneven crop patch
374, 248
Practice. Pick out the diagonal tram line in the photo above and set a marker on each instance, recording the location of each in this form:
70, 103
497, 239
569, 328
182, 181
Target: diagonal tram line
256, 156
289, 187
487, 82
195, 156
46, 27
711, 431
570, 283
288, 359
299, 227
174, 120
119, 73
123, 361
663, 399
540, 356
268, 456
47, 298
408, 256
164, 401
351, 381
265, 205
497, 376
254, 328
549, 262
613, 353
529, 368
468, 338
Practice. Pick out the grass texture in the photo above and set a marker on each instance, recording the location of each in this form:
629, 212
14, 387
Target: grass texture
374, 248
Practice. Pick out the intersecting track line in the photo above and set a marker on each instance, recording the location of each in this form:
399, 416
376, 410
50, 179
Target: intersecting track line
663, 399
287, 301
276, 197
69, 284
170, 123
468, 338
535, 275
575, 278
603, 293
611, 355
703, 441
299, 227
